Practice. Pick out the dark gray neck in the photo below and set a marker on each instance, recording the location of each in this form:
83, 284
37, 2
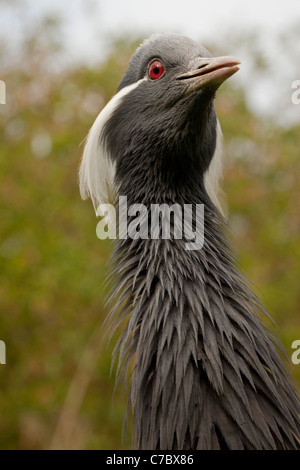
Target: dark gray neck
202, 360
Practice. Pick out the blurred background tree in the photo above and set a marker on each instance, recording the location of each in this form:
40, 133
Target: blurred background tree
56, 390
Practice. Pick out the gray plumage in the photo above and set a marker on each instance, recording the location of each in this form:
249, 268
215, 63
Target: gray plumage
206, 373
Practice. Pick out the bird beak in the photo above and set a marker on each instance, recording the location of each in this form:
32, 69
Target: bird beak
210, 72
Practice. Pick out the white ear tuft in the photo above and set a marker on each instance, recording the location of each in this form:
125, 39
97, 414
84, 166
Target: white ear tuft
96, 174
214, 174
97, 169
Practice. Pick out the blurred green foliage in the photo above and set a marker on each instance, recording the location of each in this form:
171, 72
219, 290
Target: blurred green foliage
55, 390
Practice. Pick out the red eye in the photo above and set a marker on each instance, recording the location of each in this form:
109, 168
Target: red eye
156, 69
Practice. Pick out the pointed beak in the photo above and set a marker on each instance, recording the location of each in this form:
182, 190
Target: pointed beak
210, 72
